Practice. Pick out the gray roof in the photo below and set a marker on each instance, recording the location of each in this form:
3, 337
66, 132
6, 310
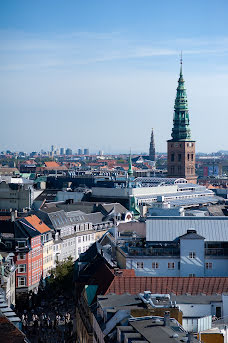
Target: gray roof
153, 331
169, 228
48, 195
115, 207
191, 234
117, 301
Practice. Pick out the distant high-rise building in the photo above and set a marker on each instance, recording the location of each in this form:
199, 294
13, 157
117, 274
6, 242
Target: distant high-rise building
79, 151
62, 151
86, 151
52, 148
100, 152
181, 148
152, 147
69, 151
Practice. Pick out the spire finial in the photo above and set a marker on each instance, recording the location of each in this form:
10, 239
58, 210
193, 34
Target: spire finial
181, 62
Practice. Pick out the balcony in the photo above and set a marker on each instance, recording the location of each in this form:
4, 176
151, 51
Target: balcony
216, 252
134, 251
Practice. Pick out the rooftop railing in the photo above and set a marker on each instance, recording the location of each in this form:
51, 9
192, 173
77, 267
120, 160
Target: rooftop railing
134, 251
216, 252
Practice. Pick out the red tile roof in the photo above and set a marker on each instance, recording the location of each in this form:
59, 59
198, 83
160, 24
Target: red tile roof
51, 164
37, 223
177, 285
9, 333
5, 217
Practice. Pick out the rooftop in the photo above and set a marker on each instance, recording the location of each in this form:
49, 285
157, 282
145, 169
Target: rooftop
153, 330
164, 285
37, 223
169, 228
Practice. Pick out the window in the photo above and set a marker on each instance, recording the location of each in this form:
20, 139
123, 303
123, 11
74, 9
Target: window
79, 251
192, 157
172, 157
208, 265
22, 268
21, 281
188, 157
79, 239
154, 265
21, 256
192, 275
192, 254
171, 265
179, 157
139, 264
21, 244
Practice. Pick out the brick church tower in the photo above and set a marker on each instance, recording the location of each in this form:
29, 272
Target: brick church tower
181, 148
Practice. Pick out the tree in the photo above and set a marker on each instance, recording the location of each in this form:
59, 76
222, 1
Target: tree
62, 276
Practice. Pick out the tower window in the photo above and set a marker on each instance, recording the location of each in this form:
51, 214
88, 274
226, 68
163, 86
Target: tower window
155, 265
171, 265
192, 254
172, 157
179, 157
208, 265
188, 157
192, 157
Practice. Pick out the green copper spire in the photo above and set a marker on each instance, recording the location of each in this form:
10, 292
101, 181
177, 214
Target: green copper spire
181, 129
130, 171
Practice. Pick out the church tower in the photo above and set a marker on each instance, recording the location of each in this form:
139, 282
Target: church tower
152, 147
181, 148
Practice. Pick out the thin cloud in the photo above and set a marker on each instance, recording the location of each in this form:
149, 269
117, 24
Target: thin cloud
22, 51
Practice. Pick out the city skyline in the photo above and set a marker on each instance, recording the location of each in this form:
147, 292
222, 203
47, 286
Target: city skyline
102, 75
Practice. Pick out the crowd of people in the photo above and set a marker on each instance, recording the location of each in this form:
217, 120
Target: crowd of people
51, 322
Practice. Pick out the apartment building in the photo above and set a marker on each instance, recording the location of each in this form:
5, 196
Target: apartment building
46, 240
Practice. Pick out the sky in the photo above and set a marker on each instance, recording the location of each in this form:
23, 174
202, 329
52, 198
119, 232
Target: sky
100, 74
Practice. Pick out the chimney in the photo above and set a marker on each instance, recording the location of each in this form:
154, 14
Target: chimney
12, 216
167, 318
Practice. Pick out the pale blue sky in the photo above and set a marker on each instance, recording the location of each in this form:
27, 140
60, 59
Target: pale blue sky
101, 74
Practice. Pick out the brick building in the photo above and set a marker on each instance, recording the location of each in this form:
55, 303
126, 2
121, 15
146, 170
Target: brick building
24, 241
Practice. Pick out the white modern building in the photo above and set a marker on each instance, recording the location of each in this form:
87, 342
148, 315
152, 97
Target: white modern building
178, 246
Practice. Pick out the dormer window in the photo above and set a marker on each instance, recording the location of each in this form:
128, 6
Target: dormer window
21, 244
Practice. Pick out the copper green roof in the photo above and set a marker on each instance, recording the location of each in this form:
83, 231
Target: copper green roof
181, 128
130, 171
